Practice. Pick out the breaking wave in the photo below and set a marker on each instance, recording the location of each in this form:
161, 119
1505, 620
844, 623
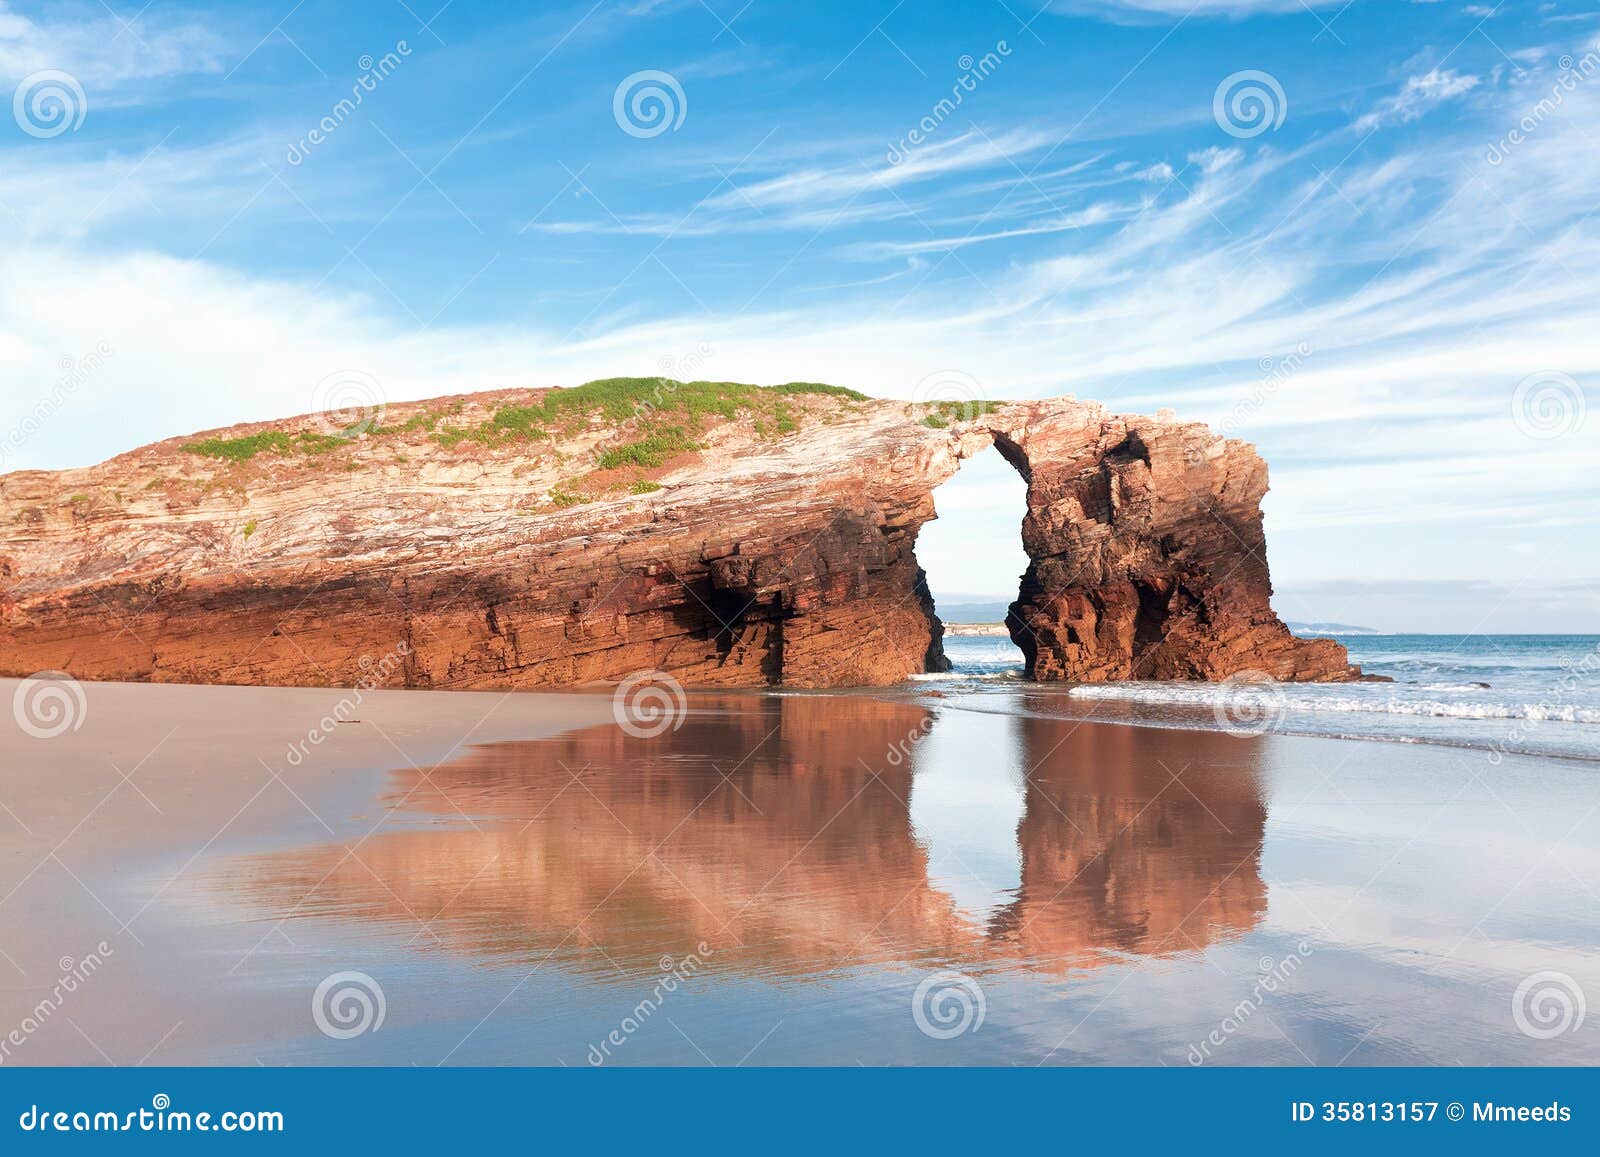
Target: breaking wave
1296, 699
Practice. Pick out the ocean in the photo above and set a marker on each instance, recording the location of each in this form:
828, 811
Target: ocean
1501, 694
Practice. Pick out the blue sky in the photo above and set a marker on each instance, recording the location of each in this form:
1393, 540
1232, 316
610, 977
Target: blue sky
1383, 271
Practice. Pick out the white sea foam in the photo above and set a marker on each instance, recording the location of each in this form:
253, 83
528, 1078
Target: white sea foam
1313, 699
1512, 694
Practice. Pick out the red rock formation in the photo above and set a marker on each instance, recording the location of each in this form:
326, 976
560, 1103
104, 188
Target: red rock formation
768, 539
1148, 554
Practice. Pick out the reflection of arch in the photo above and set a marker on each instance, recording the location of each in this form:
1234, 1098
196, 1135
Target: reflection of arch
776, 830
1127, 850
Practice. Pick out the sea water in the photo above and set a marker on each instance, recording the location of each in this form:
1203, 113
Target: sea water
1503, 694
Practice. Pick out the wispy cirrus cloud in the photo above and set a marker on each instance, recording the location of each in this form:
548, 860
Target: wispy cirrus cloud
1417, 96
1170, 9
109, 56
847, 190
1160, 265
1423, 328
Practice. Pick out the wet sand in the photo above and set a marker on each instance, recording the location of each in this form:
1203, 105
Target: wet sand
105, 828
841, 879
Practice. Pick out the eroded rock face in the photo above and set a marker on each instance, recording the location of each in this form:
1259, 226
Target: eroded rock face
1148, 555
763, 554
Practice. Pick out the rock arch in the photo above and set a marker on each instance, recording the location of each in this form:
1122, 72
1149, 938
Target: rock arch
755, 560
1147, 550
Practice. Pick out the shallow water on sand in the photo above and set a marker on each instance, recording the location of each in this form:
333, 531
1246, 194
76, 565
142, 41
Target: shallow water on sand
843, 879
1497, 694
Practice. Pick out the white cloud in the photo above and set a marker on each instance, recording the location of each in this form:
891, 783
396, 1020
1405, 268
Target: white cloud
1427, 285
1154, 9
821, 196
1419, 94
107, 56
70, 191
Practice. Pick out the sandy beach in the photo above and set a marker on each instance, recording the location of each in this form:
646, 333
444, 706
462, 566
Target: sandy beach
515, 874
104, 826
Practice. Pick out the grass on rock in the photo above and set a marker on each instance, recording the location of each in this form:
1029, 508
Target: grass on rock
662, 416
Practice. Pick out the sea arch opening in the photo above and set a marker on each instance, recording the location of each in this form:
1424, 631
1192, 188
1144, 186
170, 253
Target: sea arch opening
973, 560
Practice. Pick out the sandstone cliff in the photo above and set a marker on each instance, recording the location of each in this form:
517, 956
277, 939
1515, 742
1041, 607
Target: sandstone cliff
729, 534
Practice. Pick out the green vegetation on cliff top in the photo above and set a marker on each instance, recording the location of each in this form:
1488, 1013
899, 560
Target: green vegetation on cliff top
620, 400
640, 401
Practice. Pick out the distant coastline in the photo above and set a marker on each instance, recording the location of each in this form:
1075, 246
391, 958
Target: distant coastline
1312, 630
986, 629
1323, 628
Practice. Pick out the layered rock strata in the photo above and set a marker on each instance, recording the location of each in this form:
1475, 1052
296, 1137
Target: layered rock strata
726, 534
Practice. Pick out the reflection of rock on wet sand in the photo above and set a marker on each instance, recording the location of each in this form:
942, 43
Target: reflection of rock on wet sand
760, 829
1120, 853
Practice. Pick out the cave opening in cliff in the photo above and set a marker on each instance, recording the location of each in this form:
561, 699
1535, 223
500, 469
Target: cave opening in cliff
972, 556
